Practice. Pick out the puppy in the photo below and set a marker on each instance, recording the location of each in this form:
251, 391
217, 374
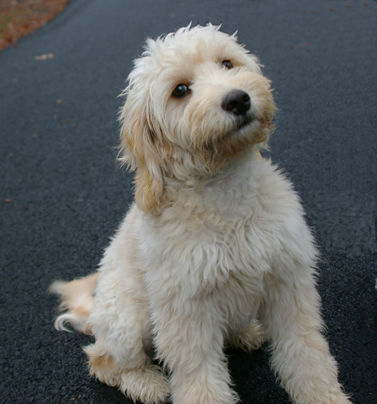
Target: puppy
215, 249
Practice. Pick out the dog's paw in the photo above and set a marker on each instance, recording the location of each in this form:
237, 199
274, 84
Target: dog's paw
249, 339
148, 385
335, 396
102, 367
204, 393
340, 398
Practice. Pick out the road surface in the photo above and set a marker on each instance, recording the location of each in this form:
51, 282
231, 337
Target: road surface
63, 194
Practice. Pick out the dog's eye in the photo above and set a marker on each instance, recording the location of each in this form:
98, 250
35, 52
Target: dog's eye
227, 64
181, 90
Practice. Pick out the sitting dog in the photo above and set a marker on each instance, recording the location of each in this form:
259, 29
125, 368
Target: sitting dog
215, 249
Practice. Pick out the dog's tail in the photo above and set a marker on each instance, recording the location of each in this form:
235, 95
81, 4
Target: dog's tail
76, 302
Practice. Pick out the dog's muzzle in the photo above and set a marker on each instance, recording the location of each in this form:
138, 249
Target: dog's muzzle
238, 103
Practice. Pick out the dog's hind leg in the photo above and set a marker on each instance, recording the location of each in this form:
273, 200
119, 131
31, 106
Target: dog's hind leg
112, 305
137, 378
77, 302
120, 324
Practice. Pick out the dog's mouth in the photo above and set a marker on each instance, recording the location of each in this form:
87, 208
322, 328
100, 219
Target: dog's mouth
244, 121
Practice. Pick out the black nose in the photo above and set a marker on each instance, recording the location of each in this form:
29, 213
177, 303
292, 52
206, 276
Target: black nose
236, 102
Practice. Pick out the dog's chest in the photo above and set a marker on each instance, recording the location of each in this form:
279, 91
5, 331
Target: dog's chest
202, 252
220, 236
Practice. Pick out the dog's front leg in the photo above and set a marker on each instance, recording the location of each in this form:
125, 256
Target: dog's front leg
301, 357
189, 340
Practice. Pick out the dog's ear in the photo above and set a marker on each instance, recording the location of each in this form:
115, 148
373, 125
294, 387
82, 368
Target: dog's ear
138, 149
253, 63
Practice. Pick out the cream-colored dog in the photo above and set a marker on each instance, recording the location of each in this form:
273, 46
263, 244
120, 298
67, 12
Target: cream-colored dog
215, 249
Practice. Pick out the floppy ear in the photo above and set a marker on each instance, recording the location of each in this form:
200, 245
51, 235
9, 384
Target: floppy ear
138, 150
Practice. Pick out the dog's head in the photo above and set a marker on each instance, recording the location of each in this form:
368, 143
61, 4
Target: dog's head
196, 99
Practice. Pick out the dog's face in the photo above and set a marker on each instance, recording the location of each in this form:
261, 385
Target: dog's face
195, 100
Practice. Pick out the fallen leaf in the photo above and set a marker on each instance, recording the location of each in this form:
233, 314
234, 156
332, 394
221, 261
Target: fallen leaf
299, 45
44, 56
59, 101
6, 200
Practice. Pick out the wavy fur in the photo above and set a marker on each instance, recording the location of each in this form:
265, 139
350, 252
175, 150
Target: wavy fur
215, 249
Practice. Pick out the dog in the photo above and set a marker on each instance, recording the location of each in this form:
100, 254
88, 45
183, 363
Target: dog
215, 250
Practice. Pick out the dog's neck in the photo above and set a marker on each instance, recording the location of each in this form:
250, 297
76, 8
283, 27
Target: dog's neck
230, 179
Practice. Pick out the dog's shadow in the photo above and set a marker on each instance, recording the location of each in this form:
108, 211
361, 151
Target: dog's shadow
253, 378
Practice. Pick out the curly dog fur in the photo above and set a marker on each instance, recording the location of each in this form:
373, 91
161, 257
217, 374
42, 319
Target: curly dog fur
215, 249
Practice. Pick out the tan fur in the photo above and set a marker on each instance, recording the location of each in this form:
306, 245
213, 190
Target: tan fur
140, 138
76, 298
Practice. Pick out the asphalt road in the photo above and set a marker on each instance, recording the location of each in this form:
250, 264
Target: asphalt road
62, 193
